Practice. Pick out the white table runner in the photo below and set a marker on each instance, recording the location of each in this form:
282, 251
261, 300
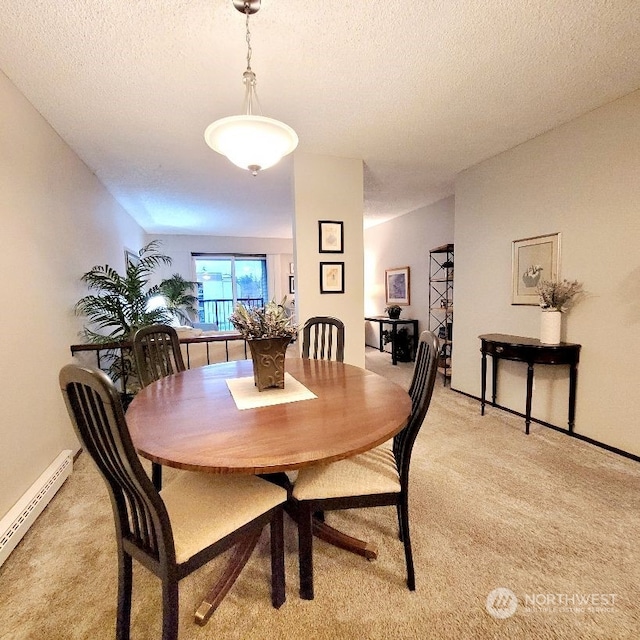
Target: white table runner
246, 395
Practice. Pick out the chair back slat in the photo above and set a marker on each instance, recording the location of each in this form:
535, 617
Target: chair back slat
157, 353
420, 392
326, 334
97, 415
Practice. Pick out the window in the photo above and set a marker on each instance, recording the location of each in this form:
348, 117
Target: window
225, 280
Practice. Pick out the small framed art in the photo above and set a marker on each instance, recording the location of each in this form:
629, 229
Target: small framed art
292, 284
130, 257
330, 236
533, 260
332, 277
396, 285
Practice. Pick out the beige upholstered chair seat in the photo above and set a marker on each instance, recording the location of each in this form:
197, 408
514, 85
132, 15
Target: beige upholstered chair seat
369, 473
204, 508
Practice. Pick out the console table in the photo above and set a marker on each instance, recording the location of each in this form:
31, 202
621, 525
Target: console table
382, 320
531, 351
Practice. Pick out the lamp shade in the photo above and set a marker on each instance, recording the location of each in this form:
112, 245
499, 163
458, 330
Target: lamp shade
251, 142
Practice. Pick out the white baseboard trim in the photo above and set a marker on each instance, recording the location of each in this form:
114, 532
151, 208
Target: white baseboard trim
23, 514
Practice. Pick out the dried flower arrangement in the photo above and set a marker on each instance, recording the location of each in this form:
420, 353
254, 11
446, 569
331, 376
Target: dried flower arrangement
558, 296
270, 321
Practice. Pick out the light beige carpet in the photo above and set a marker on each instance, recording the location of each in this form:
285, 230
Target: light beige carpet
553, 519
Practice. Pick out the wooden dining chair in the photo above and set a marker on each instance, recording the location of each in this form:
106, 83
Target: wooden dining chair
323, 338
157, 353
172, 533
379, 477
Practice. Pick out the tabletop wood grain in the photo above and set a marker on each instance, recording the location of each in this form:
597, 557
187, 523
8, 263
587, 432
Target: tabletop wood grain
190, 420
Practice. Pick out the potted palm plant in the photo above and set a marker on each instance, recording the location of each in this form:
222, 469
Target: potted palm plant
179, 300
118, 307
268, 331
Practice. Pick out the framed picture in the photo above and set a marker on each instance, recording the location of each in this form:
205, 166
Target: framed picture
291, 268
533, 260
130, 257
330, 233
292, 284
332, 277
396, 285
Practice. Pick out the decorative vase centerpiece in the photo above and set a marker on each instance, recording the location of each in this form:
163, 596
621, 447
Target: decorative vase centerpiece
555, 299
268, 331
393, 311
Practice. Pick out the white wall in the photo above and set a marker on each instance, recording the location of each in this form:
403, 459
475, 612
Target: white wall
328, 188
180, 247
57, 222
583, 180
405, 241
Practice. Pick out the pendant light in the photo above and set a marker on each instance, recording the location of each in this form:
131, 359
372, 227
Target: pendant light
251, 142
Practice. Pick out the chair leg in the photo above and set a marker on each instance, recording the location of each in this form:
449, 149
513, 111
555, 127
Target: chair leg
170, 606
278, 594
156, 475
123, 619
400, 531
305, 550
408, 554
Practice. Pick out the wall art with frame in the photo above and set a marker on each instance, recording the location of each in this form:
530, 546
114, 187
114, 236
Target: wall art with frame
292, 284
332, 277
330, 236
397, 285
130, 257
532, 260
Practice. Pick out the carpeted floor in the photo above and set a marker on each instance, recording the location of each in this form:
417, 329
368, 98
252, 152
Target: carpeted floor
550, 518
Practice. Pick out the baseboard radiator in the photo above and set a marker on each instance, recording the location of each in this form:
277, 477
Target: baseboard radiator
23, 514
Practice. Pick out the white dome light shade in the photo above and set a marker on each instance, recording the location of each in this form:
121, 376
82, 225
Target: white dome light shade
251, 142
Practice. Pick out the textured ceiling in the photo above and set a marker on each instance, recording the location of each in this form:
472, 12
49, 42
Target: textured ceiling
418, 90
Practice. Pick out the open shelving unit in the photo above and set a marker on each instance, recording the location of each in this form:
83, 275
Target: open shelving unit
441, 304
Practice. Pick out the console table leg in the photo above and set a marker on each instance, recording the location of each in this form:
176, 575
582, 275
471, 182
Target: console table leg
483, 386
394, 336
494, 379
529, 394
573, 381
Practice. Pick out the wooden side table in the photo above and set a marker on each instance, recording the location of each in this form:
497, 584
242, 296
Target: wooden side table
532, 351
385, 320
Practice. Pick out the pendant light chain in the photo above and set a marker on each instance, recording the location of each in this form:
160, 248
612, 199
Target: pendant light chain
248, 37
249, 77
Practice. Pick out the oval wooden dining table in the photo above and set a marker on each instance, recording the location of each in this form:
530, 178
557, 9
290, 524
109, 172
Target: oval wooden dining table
190, 421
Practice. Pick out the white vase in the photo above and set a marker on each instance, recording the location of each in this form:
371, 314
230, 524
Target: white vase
550, 326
